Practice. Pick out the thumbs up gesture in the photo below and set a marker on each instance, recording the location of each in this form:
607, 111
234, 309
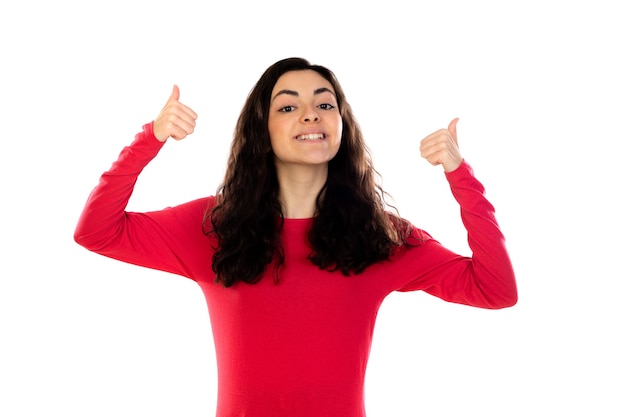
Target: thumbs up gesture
175, 119
442, 148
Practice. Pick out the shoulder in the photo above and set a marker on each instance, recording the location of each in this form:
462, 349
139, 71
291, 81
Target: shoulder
202, 204
416, 236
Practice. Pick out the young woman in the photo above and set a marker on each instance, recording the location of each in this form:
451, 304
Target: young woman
296, 250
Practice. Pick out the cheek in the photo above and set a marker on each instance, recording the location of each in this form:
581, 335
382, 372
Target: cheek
339, 131
271, 127
274, 135
275, 145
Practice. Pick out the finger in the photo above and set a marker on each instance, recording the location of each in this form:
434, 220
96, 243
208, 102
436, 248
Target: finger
173, 122
433, 137
452, 130
188, 112
175, 96
434, 152
174, 99
180, 128
186, 123
182, 112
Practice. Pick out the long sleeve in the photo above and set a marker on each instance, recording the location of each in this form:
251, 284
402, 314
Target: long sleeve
299, 347
486, 279
103, 214
170, 239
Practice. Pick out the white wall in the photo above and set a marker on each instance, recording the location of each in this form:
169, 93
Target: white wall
538, 86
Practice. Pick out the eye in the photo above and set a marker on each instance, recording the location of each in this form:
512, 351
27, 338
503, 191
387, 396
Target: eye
326, 106
287, 109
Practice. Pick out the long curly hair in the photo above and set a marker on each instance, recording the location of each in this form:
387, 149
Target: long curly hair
353, 226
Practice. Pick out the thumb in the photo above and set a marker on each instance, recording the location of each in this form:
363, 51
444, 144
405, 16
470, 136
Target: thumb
175, 94
452, 129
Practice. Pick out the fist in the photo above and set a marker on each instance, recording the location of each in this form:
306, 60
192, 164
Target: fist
175, 119
442, 148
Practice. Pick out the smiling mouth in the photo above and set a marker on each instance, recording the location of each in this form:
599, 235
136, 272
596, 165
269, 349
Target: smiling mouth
312, 136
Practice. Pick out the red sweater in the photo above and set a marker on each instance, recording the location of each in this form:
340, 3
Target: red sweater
300, 347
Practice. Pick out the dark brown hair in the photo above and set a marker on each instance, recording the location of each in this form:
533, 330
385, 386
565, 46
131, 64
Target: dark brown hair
352, 228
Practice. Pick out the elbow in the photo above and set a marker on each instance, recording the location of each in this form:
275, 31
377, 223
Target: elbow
81, 232
78, 235
499, 294
506, 300
509, 302
513, 299
81, 238
505, 294
512, 294
85, 239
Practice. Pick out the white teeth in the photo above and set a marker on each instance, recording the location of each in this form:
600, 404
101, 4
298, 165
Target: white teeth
312, 136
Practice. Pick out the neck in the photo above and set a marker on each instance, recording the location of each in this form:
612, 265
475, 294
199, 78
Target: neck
299, 187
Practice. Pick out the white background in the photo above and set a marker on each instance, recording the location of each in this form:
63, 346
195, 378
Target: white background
539, 87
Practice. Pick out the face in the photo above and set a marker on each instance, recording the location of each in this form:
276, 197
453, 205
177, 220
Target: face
304, 122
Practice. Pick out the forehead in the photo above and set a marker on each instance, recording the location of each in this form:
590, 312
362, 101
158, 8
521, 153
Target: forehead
301, 81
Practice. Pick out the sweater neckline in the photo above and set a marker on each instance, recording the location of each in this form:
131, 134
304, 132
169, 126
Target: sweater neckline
293, 224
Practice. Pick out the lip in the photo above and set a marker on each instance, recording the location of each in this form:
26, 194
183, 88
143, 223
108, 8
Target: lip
311, 132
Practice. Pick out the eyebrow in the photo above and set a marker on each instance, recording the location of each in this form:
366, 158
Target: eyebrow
295, 93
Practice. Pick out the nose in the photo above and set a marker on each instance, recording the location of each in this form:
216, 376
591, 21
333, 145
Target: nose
310, 115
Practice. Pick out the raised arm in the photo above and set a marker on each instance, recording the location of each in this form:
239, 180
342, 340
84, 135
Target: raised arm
486, 279
152, 239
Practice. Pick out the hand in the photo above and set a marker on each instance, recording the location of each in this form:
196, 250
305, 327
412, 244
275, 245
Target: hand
442, 148
175, 119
